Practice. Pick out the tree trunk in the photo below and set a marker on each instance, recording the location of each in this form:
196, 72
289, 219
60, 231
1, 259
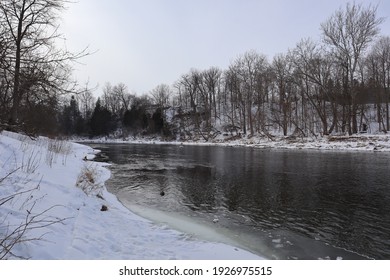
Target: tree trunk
379, 118
16, 96
250, 119
354, 119
244, 119
344, 120
387, 114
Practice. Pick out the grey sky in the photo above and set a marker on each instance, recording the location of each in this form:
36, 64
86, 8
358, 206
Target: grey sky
143, 43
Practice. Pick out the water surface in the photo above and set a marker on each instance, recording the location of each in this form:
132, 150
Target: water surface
279, 203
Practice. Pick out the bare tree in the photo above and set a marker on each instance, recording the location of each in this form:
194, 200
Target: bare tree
197, 95
212, 80
31, 31
189, 94
3, 49
380, 71
313, 69
5, 81
208, 87
108, 98
124, 96
349, 32
251, 70
87, 102
161, 95
190, 83
282, 70
237, 101
117, 99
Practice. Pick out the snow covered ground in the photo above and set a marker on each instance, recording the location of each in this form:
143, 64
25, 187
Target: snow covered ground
51, 199
357, 142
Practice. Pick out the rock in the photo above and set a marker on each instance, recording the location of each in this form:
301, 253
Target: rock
104, 208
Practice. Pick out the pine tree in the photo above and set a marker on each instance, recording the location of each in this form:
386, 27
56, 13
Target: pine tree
101, 121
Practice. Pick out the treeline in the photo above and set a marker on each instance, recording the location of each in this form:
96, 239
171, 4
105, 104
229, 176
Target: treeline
337, 85
116, 111
340, 84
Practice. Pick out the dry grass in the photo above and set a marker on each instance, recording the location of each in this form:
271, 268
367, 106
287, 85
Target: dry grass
87, 181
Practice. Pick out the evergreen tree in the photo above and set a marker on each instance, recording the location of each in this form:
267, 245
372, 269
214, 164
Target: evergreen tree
158, 121
71, 120
136, 118
102, 121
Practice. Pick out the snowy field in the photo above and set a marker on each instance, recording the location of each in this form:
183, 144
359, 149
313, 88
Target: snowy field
51, 202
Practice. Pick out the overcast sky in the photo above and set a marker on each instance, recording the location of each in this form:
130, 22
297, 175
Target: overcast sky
143, 43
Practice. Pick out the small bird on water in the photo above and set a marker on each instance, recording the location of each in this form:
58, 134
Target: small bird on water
162, 193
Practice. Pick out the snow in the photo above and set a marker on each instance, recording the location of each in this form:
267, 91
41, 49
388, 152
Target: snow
55, 187
357, 142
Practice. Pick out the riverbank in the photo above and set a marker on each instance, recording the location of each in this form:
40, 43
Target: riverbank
358, 142
54, 205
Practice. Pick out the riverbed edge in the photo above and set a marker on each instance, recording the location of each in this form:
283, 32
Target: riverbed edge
360, 142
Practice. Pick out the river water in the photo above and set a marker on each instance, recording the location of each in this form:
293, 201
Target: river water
281, 204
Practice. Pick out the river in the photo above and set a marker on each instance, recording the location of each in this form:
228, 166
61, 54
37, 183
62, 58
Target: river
281, 204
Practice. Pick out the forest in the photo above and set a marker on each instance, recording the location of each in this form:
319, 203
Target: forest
337, 85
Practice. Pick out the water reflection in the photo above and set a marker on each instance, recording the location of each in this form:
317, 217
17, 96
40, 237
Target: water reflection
198, 187
309, 198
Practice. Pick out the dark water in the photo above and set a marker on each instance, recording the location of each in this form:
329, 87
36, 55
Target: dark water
278, 203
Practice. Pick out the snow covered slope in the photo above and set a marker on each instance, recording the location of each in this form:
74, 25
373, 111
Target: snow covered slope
51, 199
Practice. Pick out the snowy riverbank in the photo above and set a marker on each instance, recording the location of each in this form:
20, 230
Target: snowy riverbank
50, 208
358, 142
